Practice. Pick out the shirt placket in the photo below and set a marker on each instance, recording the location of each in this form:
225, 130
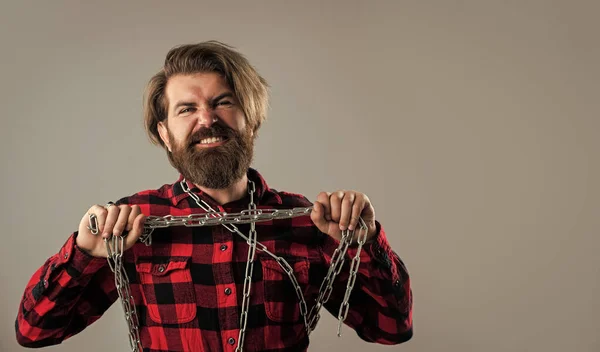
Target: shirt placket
226, 287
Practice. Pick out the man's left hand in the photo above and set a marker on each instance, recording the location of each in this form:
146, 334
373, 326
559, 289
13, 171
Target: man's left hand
334, 212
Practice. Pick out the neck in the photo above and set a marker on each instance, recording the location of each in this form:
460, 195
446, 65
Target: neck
223, 196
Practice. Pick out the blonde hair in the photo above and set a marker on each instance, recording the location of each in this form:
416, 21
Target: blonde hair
249, 87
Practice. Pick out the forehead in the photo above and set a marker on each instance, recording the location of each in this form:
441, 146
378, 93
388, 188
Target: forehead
203, 85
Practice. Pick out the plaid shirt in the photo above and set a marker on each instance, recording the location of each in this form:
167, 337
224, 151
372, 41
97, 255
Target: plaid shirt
188, 284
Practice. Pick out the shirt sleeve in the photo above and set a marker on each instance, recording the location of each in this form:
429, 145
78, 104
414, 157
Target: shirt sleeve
70, 291
380, 306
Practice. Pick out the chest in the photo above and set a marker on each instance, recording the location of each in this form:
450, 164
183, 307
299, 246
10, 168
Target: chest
187, 270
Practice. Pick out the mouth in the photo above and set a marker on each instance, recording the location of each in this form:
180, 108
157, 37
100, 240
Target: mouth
210, 142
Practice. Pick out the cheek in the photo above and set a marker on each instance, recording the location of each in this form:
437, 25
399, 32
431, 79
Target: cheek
184, 129
179, 135
236, 121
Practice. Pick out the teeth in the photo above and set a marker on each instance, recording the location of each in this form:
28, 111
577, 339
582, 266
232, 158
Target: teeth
210, 140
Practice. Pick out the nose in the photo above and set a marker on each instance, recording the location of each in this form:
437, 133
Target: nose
206, 116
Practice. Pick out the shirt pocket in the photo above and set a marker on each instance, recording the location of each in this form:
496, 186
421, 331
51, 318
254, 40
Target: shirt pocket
168, 290
280, 298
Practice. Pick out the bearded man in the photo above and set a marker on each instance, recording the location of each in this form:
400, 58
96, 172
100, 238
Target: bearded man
188, 287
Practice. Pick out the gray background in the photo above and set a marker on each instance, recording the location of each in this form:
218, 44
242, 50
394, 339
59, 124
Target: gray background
472, 126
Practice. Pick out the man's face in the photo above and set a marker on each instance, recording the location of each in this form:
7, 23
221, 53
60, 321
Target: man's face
206, 130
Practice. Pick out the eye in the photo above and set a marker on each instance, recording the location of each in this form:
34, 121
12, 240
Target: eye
185, 110
224, 103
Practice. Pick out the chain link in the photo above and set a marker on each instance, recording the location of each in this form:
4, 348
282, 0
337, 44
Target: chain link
114, 247
337, 262
252, 215
249, 268
344, 307
212, 217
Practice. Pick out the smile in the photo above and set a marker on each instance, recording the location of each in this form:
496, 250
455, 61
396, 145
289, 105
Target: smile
211, 141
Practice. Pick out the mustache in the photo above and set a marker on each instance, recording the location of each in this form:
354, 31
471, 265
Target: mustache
213, 131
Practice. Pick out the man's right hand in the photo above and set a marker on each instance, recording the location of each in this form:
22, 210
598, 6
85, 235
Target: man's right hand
110, 222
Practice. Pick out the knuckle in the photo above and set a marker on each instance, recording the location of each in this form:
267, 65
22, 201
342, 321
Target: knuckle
98, 209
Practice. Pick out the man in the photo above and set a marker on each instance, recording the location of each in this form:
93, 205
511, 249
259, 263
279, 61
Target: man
205, 108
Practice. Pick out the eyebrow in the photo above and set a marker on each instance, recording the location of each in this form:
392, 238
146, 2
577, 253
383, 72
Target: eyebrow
213, 101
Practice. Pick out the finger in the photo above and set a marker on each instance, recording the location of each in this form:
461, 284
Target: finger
137, 230
336, 205
101, 214
135, 211
346, 211
357, 209
323, 198
121, 223
318, 217
111, 219
368, 212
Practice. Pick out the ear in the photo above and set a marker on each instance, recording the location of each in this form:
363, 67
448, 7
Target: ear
164, 135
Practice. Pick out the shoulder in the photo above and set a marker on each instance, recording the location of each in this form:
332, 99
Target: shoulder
162, 195
291, 200
274, 197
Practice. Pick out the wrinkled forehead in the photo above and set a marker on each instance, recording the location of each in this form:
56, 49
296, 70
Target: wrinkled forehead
197, 86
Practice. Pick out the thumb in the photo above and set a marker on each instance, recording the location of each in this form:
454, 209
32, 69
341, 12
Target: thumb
136, 231
318, 217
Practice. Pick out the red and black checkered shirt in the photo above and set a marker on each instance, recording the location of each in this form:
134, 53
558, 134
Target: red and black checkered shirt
188, 283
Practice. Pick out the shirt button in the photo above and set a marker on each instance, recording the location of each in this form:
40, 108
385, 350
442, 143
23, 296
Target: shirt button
161, 268
231, 341
228, 291
223, 247
45, 283
66, 255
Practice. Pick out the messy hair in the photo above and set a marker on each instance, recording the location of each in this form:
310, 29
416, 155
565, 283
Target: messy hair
248, 86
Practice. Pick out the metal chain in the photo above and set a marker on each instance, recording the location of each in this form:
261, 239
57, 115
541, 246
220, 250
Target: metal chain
212, 217
337, 262
345, 306
114, 247
249, 269
253, 215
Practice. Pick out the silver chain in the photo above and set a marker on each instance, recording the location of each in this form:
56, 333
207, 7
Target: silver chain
249, 268
212, 217
344, 307
337, 262
252, 215
114, 247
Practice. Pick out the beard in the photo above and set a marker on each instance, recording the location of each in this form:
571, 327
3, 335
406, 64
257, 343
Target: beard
215, 167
